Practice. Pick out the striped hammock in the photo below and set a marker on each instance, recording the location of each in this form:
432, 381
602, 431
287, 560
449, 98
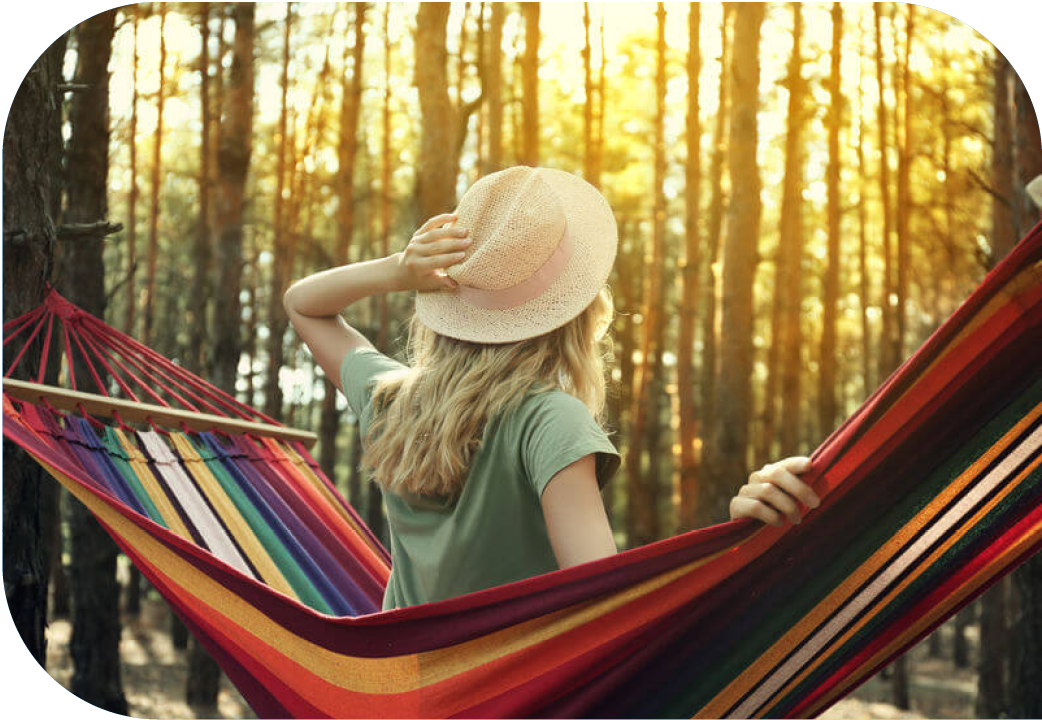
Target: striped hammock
932, 491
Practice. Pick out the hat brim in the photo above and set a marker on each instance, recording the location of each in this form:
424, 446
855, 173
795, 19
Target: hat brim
595, 236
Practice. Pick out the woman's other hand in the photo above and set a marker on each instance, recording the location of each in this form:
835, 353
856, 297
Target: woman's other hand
773, 493
434, 247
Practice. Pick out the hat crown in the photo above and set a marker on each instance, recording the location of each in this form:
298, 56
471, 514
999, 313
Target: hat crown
515, 222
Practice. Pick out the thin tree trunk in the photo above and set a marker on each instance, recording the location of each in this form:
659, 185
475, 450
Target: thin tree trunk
991, 663
705, 511
904, 200
494, 68
277, 321
827, 406
886, 335
867, 382
530, 85
203, 247
690, 275
234, 149
157, 174
790, 251
729, 443
351, 99
387, 169
132, 195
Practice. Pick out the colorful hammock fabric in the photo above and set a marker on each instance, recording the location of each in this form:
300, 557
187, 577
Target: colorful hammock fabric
932, 492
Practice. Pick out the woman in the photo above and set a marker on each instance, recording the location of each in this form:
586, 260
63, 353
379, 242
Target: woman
487, 446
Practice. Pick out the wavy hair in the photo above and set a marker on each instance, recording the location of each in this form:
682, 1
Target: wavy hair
429, 418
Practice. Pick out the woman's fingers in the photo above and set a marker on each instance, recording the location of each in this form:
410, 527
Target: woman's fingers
778, 475
433, 262
435, 221
442, 247
439, 233
771, 495
742, 506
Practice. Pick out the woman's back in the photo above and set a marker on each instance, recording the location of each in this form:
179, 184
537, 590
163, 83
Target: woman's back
494, 533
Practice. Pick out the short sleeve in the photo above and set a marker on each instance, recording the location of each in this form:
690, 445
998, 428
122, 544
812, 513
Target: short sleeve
358, 370
558, 431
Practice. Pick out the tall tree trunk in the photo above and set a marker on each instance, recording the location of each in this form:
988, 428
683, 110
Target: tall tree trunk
494, 70
729, 443
383, 338
588, 100
96, 627
904, 200
783, 356
960, 643
706, 511
277, 321
32, 162
233, 162
530, 85
351, 99
436, 174
203, 246
690, 275
864, 300
629, 264
643, 499
827, 407
994, 650
886, 335
598, 155
157, 174
133, 194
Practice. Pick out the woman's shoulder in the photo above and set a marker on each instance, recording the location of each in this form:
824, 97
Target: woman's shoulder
551, 406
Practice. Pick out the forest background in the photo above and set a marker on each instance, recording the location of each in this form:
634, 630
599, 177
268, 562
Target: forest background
804, 192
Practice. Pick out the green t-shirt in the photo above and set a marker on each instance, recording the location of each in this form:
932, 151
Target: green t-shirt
495, 532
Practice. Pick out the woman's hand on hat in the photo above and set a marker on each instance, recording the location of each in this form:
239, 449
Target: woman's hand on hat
432, 248
773, 493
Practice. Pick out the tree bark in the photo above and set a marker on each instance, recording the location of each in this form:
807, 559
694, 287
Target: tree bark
203, 246
729, 444
904, 199
690, 276
32, 157
827, 405
277, 321
233, 162
991, 662
885, 340
438, 162
494, 71
134, 192
351, 100
530, 85
157, 174
705, 511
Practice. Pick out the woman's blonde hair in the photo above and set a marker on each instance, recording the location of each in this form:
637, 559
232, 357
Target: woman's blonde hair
429, 418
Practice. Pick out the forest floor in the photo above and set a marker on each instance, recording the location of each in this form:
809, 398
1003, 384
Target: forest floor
154, 673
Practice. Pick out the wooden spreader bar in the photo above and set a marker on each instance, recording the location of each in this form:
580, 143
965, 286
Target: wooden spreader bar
102, 406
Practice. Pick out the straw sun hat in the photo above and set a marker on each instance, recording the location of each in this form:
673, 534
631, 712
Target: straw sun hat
543, 244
